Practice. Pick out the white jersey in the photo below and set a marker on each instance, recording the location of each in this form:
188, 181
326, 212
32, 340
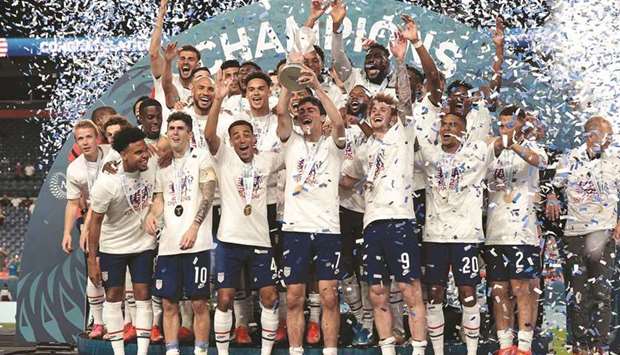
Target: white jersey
311, 203
387, 167
199, 122
267, 140
358, 77
454, 192
82, 174
238, 104
513, 196
591, 189
353, 199
479, 122
124, 198
243, 187
333, 91
185, 176
427, 123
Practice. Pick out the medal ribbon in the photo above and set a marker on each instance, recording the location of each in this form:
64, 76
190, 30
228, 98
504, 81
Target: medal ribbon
248, 182
310, 160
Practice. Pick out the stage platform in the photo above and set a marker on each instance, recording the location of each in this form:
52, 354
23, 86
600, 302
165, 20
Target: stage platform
541, 346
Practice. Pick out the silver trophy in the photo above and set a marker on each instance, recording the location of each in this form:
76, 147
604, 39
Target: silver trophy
303, 43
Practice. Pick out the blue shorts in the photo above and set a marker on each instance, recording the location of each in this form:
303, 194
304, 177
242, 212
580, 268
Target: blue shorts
182, 275
391, 249
462, 257
512, 262
302, 251
231, 258
114, 266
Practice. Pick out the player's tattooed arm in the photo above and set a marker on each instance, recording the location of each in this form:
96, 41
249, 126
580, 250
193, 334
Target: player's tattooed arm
208, 192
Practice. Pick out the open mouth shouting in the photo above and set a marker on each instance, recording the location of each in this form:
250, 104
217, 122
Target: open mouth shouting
186, 70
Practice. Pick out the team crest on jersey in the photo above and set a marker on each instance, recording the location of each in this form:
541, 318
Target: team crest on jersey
104, 275
586, 190
220, 277
141, 194
287, 271
449, 180
256, 186
159, 283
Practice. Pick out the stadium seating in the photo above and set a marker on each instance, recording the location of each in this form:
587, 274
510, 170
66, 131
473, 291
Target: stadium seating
13, 230
19, 142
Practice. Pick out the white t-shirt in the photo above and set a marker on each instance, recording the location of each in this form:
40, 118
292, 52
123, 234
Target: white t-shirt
358, 77
238, 104
267, 140
199, 123
233, 175
121, 231
315, 166
387, 166
184, 174
427, 123
454, 192
513, 195
591, 189
185, 95
353, 199
333, 91
82, 174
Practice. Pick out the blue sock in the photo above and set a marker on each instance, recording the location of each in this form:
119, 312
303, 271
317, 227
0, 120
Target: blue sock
202, 345
173, 345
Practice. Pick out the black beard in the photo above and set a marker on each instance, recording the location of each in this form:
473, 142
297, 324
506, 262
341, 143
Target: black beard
378, 80
152, 135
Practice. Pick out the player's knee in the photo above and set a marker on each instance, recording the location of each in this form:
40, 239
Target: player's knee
141, 292
200, 306
170, 308
520, 288
329, 298
225, 300
295, 298
114, 294
436, 294
467, 295
412, 293
268, 297
500, 292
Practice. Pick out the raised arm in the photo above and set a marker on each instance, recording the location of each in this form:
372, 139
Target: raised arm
530, 156
316, 11
157, 62
431, 73
170, 91
398, 47
341, 62
222, 88
285, 123
491, 93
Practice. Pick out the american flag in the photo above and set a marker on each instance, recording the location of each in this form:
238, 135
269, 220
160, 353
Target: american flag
4, 48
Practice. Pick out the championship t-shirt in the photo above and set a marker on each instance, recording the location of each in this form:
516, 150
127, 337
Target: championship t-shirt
81, 174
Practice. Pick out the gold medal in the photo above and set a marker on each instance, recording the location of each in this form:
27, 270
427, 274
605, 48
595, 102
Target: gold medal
247, 210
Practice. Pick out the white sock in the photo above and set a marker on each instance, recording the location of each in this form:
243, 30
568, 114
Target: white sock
525, 339
187, 314
296, 351
435, 321
353, 297
504, 338
471, 327
240, 308
387, 346
143, 323
157, 311
282, 306
368, 319
314, 303
173, 352
113, 320
222, 322
396, 307
201, 348
330, 351
269, 322
130, 301
96, 297
419, 347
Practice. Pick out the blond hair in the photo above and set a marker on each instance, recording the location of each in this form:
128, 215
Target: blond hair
83, 124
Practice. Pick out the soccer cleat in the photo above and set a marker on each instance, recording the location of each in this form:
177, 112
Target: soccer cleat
313, 333
129, 333
399, 335
361, 336
281, 334
96, 332
156, 336
242, 335
185, 335
506, 351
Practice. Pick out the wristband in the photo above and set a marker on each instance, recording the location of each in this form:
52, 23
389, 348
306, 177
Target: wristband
417, 44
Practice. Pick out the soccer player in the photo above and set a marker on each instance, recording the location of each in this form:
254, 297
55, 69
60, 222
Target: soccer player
588, 177
512, 252
183, 196
354, 285
123, 200
99, 116
113, 125
203, 89
311, 227
150, 120
81, 175
189, 59
244, 172
386, 162
454, 171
